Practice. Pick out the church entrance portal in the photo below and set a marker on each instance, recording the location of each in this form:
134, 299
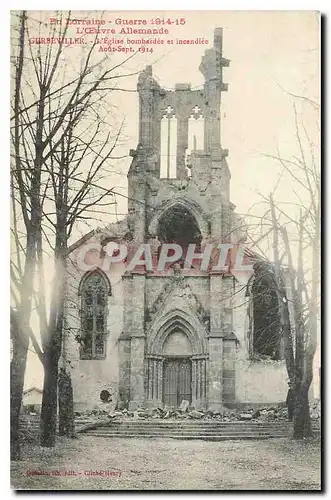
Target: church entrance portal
177, 365
177, 377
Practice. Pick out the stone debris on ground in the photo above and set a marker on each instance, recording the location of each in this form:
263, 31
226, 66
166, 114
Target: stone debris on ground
184, 405
246, 416
186, 411
102, 416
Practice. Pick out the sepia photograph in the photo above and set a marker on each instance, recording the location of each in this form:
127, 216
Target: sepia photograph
165, 250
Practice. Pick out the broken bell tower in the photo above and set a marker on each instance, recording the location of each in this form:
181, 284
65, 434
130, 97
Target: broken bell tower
178, 342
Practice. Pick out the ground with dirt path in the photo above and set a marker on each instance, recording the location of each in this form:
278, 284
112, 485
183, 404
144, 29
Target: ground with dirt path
168, 464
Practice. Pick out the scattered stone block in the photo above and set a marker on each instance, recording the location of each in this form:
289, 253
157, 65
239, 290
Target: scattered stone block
142, 414
245, 416
184, 405
271, 414
256, 414
196, 414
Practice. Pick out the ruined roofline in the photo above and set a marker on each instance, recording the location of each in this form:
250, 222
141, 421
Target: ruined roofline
212, 57
94, 232
157, 102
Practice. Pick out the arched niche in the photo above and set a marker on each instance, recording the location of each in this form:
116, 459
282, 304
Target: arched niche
180, 205
177, 344
178, 225
176, 320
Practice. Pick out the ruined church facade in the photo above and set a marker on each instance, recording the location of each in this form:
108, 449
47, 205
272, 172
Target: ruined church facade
150, 338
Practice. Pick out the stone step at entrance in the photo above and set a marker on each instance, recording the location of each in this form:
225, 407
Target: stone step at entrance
195, 430
193, 436
190, 428
197, 435
186, 429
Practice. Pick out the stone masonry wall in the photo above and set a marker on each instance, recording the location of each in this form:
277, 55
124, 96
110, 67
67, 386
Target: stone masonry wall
89, 377
256, 381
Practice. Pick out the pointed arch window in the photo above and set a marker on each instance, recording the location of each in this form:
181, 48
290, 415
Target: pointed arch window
94, 291
168, 167
264, 330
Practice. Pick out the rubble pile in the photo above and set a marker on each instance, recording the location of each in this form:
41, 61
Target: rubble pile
87, 415
226, 415
185, 411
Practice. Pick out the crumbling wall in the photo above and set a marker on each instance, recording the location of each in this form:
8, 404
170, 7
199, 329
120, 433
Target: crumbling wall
90, 377
257, 381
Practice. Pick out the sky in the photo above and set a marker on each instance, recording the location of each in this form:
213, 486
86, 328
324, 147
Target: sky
269, 52
272, 53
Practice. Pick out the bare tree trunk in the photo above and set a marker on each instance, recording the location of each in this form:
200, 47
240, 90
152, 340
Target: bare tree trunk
66, 407
17, 371
301, 421
53, 344
284, 314
20, 343
303, 361
20, 337
49, 401
20, 327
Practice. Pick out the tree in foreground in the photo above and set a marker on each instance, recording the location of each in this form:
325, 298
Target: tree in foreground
61, 148
291, 233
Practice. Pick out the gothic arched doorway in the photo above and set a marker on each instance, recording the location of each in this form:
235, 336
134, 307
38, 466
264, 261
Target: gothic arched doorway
176, 344
177, 369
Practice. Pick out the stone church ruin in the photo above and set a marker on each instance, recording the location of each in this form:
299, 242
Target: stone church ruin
155, 339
